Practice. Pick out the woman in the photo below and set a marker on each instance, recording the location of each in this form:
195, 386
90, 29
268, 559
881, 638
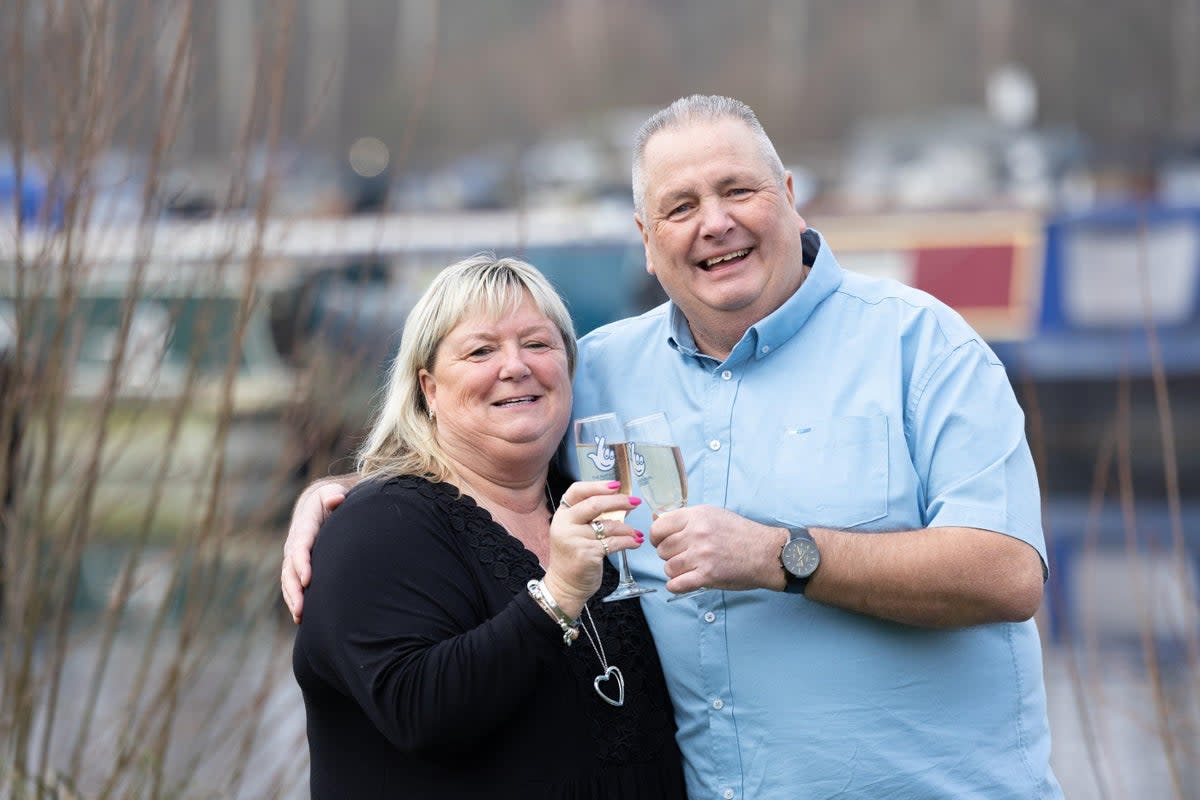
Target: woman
446, 649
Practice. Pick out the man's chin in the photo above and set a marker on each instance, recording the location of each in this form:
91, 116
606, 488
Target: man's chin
728, 302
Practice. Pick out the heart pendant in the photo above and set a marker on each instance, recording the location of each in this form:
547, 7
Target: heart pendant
608, 673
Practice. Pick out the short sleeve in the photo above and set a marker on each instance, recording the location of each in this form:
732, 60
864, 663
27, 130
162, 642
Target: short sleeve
967, 434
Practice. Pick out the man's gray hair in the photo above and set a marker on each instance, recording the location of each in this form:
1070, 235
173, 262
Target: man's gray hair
688, 110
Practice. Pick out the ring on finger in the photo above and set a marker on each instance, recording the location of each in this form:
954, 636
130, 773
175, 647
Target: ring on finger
598, 527
604, 544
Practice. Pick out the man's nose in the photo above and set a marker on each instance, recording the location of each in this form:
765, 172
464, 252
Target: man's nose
715, 220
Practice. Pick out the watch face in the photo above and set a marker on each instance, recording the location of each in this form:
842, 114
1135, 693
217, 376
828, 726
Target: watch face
801, 557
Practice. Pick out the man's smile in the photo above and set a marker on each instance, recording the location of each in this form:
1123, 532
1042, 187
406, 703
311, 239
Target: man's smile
736, 255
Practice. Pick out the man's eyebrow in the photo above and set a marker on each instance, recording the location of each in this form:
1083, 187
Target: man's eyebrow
672, 198
732, 180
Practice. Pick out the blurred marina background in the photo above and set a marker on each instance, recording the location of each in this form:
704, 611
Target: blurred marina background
215, 216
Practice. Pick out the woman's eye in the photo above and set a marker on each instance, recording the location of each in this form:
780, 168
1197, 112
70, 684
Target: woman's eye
480, 352
536, 345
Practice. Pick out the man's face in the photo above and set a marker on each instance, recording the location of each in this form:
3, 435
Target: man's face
722, 235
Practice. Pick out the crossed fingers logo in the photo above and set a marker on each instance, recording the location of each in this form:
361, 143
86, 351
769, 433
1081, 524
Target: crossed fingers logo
602, 458
639, 461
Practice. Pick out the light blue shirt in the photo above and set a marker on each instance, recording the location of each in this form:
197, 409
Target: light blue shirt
860, 404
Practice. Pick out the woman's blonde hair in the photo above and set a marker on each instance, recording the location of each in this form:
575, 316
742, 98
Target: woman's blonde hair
403, 437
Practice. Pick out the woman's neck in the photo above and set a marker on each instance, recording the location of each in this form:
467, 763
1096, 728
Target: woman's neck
520, 507
519, 496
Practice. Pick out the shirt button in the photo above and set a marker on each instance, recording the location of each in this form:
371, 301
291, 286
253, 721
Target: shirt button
766, 348
709, 616
714, 445
727, 374
718, 704
727, 794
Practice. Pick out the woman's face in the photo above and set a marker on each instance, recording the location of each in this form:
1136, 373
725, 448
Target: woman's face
500, 389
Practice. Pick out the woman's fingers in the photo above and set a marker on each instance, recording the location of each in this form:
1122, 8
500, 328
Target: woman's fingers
577, 553
579, 491
586, 500
588, 525
618, 534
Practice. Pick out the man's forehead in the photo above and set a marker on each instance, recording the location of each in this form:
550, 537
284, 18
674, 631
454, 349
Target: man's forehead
689, 124
718, 160
708, 134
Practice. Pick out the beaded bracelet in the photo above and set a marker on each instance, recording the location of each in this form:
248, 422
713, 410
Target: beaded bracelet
541, 595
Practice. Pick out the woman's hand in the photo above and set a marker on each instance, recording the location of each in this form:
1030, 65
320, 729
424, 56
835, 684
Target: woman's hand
577, 549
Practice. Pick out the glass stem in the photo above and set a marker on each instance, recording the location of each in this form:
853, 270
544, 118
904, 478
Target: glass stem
626, 577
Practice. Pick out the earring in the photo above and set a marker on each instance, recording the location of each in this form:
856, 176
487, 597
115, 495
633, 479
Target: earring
431, 413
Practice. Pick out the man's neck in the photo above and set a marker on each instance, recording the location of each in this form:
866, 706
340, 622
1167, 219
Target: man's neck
717, 333
715, 341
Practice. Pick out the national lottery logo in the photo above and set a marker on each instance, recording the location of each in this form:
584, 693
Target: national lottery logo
602, 458
639, 462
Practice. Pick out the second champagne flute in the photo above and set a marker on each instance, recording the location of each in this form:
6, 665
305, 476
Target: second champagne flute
658, 468
603, 456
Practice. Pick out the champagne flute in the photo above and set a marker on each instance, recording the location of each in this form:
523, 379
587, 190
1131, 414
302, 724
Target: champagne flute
603, 456
658, 468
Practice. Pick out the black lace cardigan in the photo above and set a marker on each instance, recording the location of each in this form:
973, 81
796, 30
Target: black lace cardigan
428, 671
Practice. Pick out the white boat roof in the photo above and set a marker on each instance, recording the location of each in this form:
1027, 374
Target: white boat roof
183, 241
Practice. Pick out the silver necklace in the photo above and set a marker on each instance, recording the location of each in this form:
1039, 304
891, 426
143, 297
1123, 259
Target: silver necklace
611, 671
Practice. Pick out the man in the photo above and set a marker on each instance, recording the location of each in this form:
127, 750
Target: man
862, 490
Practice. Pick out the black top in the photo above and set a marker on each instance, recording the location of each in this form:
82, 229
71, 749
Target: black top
429, 672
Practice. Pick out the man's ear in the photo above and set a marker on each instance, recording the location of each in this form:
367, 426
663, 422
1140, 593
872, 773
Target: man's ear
645, 243
791, 196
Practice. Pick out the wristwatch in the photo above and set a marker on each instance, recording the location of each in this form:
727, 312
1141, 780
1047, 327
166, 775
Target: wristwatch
799, 558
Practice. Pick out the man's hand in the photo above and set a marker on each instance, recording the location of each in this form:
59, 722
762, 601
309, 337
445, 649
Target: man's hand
945, 577
312, 508
709, 547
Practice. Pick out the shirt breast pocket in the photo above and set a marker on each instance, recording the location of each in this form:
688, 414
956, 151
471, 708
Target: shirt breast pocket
830, 472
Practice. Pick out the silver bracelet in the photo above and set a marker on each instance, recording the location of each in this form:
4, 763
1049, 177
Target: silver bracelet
541, 595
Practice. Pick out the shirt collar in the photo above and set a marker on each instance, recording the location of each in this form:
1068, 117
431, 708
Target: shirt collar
766, 335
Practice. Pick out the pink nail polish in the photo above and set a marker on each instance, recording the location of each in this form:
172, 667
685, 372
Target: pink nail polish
635, 501
639, 537
614, 484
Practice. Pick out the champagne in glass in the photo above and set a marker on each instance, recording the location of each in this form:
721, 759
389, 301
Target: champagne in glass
661, 478
603, 455
658, 468
603, 460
